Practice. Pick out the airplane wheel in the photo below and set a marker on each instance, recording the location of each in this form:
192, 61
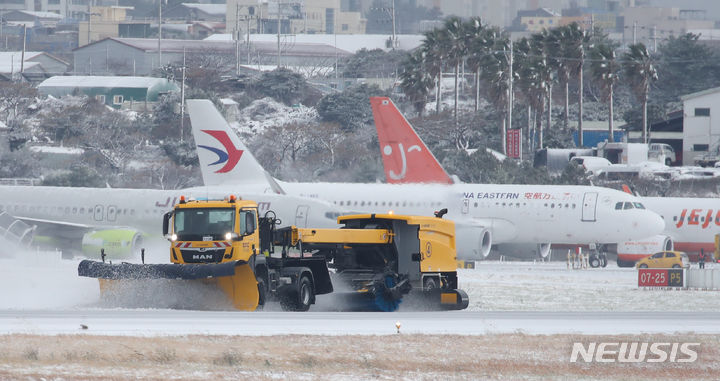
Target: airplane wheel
594, 261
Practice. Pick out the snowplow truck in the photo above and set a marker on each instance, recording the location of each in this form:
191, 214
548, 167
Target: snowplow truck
380, 258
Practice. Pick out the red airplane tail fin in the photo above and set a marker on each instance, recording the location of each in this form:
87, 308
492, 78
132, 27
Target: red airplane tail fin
405, 157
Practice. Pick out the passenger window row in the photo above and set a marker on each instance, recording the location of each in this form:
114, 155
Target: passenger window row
524, 204
386, 203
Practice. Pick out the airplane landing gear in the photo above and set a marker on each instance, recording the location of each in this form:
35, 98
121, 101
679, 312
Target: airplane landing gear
598, 260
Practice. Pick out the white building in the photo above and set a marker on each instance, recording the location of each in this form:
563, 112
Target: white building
701, 126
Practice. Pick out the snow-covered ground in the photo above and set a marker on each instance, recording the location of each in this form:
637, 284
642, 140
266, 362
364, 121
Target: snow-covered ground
550, 286
43, 294
41, 280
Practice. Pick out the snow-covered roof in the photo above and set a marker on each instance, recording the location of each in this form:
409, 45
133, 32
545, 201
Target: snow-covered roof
204, 46
12, 65
176, 27
348, 42
304, 70
43, 15
100, 81
211, 9
10, 61
698, 94
58, 150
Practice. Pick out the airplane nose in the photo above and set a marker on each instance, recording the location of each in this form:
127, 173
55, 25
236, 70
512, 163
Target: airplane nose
655, 224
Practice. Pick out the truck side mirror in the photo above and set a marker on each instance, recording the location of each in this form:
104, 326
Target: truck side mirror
166, 223
249, 223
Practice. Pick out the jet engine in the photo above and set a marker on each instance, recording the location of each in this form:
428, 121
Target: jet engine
630, 251
543, 249
118, 243
526, 251
472, 242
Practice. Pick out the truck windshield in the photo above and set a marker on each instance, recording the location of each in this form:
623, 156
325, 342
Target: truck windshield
199, 224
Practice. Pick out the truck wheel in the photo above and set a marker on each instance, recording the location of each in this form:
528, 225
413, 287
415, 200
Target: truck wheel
430, 284
300, 299
676, 266
643, 266
668, 161
262, 291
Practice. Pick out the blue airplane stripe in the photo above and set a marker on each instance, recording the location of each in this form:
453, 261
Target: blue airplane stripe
222, 155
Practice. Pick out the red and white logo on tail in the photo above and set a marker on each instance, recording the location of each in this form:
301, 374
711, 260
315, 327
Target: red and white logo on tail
405, 157
224, 159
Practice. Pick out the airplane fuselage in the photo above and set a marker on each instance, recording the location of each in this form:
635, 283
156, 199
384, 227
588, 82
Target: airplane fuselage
515, 213
692, 223
143, 208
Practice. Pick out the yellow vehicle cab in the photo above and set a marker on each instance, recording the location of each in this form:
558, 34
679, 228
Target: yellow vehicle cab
665, 260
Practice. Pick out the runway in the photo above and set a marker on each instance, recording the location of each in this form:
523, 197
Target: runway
144, 322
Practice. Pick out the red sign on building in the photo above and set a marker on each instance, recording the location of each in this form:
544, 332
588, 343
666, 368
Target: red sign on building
514, 143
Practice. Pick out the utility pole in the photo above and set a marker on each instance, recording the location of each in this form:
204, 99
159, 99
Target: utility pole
394, 36
278, 35
510, 99
160, 33
251, 11
182, 100
654, 37
237, 39
634, 32
89, 23
22, 56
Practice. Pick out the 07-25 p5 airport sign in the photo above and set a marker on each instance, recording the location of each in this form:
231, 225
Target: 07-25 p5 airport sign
660, 277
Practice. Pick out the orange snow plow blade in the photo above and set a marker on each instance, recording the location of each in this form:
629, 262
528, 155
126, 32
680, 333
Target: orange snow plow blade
236, 279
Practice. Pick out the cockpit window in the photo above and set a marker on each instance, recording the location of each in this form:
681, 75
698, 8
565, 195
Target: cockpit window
628, 205
618, 206
638, 205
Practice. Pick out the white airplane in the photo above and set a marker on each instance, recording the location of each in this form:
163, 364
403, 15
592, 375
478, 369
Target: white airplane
690, 223
690, 226
484, 213
87, 219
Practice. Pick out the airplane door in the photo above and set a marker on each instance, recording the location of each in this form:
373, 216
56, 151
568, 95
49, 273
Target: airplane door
98, 213
301, 214
465, 206
589, 205
111, 212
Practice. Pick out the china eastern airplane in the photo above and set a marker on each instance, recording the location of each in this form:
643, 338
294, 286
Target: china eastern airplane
484, 213
87, 219
690, 223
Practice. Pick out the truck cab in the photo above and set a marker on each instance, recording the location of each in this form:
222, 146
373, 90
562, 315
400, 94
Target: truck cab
212, 231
